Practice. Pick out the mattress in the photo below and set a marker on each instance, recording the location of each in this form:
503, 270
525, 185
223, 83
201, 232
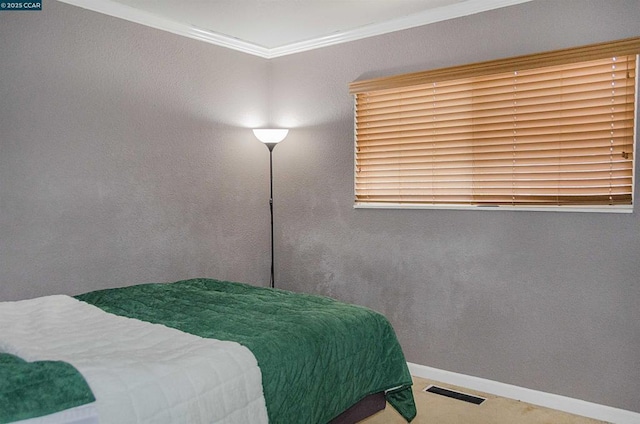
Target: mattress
318, 356
139, 372
160, 352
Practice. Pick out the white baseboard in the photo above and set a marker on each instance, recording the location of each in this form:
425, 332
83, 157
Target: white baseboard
548, 400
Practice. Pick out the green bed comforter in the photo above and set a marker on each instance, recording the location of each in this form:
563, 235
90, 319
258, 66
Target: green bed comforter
318, 356
34, 389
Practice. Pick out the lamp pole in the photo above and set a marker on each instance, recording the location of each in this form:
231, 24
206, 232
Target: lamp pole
270, 137
270, 146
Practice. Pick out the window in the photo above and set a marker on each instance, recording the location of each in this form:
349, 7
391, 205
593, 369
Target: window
548, 131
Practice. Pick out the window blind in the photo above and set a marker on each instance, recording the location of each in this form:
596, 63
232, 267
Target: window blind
547, 130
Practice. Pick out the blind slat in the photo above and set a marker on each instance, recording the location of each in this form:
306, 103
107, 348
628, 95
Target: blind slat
626, 47
561, 134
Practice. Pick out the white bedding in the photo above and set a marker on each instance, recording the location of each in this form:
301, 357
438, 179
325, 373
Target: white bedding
138, 372
83, 414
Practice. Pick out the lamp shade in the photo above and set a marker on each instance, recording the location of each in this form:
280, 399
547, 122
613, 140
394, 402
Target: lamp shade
270, 135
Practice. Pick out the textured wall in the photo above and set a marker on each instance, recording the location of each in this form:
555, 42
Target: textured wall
542, 300
124, 156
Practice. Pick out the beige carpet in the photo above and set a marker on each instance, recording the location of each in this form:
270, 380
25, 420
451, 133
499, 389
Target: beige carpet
437, 409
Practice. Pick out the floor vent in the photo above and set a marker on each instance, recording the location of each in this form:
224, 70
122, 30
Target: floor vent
455, 395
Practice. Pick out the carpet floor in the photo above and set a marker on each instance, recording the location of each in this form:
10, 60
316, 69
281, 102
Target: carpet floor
438, 409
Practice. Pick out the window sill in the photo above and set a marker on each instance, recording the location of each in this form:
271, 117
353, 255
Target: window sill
595, 209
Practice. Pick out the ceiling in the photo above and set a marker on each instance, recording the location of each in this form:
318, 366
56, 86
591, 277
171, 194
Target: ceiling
272, 28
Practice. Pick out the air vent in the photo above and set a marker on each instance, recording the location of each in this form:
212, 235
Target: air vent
455, 395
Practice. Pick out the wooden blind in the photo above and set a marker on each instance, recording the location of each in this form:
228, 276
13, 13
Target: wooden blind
539, 136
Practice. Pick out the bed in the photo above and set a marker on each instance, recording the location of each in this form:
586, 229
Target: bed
317, 360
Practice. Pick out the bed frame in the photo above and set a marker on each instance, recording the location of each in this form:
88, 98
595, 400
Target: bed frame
365, 408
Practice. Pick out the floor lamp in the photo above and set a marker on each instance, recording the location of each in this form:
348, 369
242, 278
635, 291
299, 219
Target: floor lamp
270, 137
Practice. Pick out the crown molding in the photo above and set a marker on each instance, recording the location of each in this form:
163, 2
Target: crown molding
431, 16
119, 10
122, 11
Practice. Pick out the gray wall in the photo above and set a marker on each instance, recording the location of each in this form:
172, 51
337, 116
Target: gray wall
125, 158
547, 301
